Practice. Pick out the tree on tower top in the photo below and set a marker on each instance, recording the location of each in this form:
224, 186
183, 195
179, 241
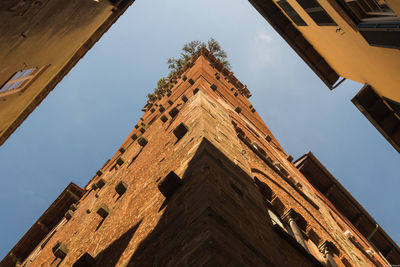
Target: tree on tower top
188, 51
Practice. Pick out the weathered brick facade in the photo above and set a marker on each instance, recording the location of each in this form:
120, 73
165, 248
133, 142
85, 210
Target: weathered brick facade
200, 181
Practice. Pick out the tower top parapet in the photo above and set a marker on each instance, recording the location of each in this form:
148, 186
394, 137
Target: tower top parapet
215, 63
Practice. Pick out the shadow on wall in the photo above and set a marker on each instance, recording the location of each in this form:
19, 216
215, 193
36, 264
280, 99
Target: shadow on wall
181, 231
219, 219
203, 224
111, 255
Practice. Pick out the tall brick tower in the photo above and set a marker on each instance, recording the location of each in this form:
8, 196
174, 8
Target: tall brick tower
201, 181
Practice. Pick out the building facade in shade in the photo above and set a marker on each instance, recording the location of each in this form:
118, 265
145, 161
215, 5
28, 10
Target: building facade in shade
352, 39
201, 181
40, 42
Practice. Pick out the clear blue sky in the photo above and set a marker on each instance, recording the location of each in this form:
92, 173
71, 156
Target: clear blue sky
88, 115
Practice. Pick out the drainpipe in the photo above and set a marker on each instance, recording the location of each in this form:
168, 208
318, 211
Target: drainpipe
370, 241
373, 232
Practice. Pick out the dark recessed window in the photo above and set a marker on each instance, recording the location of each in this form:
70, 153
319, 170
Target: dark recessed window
382, 34
292, 14
316, 12
368, 10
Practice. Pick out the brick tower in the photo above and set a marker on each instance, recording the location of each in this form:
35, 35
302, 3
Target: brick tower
201, 181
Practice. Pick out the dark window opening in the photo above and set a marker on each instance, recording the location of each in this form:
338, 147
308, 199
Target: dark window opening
180, 131
292, 14
153, 119
381, 34
316, 12
368, 10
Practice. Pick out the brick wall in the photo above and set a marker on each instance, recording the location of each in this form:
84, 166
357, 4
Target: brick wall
191, 186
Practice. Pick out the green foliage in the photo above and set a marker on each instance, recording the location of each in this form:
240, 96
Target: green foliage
188, 51
163, 83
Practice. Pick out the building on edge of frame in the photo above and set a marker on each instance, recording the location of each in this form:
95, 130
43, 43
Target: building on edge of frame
348, 39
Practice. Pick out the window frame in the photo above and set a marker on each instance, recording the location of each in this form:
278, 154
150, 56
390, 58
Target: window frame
381, 34
20, 80
291, 13
316, 8
368, 11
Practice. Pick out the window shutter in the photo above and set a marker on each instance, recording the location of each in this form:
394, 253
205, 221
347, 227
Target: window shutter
292, 14
316, 12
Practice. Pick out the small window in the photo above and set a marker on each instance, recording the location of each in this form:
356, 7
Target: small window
275, 219
316, 12
20, 80
292, 14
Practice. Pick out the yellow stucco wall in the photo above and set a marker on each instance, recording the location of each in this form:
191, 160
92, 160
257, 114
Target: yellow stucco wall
350, 55
53, 34
394, 5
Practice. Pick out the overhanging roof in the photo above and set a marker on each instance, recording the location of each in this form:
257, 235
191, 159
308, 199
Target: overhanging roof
380, 114
273, 14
